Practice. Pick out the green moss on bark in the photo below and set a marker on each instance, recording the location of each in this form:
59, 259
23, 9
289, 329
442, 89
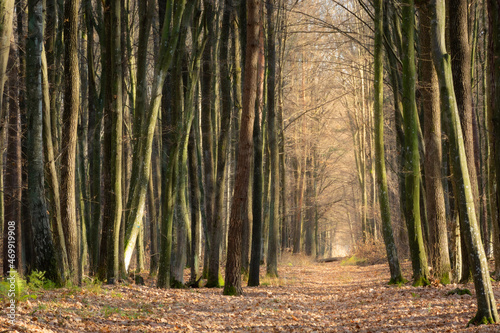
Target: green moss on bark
231, 291
421, 282
479, 319
399, 280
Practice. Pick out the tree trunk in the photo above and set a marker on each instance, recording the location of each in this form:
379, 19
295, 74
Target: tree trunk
178, 154
274, 218
179, 186
153, 228
94, 143
460, 53
43, 246
412, 154
169, 39
194, 191
232, 285
254, 270
51, 172
486, 305
13, 171
69, 139
433, 160
208, 150
113, 118
6, 17
385, 210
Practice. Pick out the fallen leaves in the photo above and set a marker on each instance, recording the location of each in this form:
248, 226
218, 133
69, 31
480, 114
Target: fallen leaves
323, 297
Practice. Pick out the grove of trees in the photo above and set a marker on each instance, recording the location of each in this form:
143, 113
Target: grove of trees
215, 135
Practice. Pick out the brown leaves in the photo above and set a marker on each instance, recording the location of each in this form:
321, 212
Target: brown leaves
306, 298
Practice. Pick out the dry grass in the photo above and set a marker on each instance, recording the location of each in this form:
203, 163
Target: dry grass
296, 259
371, 253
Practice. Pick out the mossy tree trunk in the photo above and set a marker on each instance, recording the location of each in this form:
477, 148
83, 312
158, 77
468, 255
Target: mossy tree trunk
53, 175
412, 154
381, 176
178, 155
486, 305
461, 70
170, 34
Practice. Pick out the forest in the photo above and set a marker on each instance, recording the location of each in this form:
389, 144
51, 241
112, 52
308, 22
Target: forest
331, 163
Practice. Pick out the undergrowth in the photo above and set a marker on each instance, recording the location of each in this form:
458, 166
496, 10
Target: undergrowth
296, 259
370, 253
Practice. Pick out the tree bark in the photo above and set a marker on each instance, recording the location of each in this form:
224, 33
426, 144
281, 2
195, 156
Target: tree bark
385, 210
433, 159
274, 218
412, 154
170, 34
486, 305
43, 246
52, 173
254, 269
232, 285
69, 139
178, 155
207, 146
13, 170
6, 17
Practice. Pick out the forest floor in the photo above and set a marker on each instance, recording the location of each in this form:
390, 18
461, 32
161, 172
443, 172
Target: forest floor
307, 297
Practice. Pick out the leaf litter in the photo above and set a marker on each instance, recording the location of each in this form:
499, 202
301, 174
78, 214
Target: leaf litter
307, 297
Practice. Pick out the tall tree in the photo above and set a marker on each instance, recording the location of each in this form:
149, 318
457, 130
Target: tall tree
6, 17
180, 16
436, 210
207, 94
493, 96
412, 154
94, 144
113, 113
223, 134
43, 246
232, 283
461, 69
256, 249
173, 17
486, 305
13, 171
69, 138
53, 174
390, 245
272, 254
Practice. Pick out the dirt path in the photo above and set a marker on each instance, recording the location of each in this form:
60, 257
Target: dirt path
307, 297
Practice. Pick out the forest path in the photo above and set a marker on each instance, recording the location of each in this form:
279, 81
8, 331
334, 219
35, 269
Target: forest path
308, 297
